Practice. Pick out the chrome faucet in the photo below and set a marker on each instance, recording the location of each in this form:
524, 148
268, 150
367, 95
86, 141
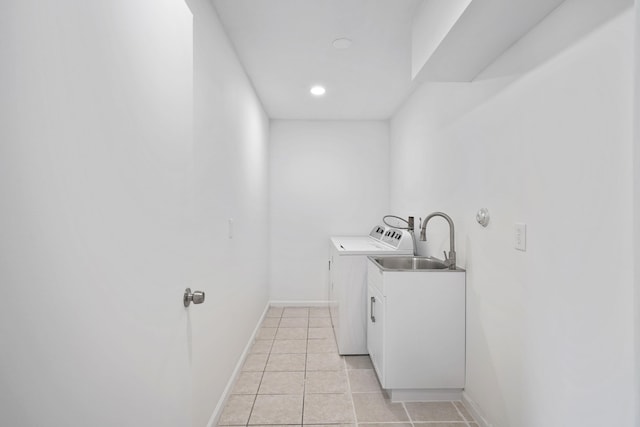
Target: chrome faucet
411, 230
451, 259
409, 227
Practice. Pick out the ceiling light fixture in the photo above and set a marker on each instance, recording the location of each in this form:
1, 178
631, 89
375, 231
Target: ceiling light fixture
318, 90
342, 43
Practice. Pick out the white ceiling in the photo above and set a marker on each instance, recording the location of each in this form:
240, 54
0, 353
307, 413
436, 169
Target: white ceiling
286, 47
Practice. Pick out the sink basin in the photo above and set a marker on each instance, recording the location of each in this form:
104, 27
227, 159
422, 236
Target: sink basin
409, 263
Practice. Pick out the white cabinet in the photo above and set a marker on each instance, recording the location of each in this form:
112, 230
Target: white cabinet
416, 332
375, 339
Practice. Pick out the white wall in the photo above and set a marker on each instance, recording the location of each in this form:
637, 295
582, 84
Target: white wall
549, 330
111, 207
636, 207
327, 178
231, 182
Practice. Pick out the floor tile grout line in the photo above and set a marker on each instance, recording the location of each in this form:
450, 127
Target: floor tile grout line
408, 414
255, 397
461, 415
304, 382
261, 378
353, 405
401, 422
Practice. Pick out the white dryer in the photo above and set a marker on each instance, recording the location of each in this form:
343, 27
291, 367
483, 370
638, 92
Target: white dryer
348, 281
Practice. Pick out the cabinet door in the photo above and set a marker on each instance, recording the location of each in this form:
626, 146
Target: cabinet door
424, 330
375, 330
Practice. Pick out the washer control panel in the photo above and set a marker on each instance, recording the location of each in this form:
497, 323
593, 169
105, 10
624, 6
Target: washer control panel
398, 239
377, 232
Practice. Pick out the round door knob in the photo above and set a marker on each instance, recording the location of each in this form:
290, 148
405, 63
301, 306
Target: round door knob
196, 297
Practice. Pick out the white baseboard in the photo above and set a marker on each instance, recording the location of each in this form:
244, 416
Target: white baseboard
424, 395
215, 416
317, 303
474, 410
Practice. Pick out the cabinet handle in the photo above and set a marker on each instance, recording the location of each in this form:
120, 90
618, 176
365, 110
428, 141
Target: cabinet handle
373, 317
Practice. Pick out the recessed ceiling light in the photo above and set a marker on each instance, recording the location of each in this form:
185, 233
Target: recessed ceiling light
318, 90
342, 43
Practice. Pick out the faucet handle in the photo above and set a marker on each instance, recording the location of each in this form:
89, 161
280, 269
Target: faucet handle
446, 258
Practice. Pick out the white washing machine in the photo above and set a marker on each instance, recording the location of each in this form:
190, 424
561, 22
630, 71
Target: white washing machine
348, 281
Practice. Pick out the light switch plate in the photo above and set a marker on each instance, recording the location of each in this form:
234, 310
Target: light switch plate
520, 241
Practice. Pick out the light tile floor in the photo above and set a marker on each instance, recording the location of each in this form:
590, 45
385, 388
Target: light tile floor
295, 376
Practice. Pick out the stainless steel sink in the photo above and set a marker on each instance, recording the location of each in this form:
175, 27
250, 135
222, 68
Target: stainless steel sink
409, 263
